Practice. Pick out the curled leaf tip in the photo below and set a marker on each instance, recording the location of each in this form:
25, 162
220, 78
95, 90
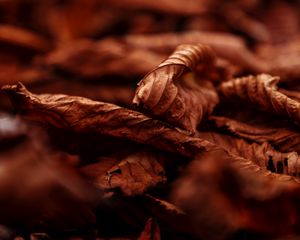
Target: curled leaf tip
170, 92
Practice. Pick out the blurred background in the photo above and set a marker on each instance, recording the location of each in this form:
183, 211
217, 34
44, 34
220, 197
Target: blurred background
101, 48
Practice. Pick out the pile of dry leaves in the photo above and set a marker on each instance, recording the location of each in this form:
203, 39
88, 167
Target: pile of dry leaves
142, 119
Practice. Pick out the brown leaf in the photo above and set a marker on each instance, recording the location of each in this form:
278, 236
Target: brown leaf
82, 115
295, 95
263, 154
151, 231
118, 94
166, 93
261, 91
133, 175
282, 138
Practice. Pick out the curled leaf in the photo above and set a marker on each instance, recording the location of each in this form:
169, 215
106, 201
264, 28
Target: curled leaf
261, 91
264, 155
282, 138
82, 115
168, 94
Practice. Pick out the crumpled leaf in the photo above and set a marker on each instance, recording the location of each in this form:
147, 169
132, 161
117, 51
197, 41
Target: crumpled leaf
151, 231
290, 93
166, 93
223, 195
133, 175
82, 115
263, 154
261, 91
282, 138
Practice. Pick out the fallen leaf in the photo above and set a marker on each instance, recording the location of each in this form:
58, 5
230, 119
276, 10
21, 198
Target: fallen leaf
261, 91
282, 138
82, 115
168, 93
263, 154
133, 175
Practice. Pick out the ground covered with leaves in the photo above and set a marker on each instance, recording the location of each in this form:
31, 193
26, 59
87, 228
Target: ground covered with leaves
149, 120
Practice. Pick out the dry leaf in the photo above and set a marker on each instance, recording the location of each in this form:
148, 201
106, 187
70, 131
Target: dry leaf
261, 91
263, 154
133, 175
282, 138
168, 93
82, 115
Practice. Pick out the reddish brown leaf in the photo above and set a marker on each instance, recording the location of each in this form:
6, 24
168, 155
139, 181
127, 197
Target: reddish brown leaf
168, 94
133, 175
264, 155
283, 138
82, 115
261, 91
